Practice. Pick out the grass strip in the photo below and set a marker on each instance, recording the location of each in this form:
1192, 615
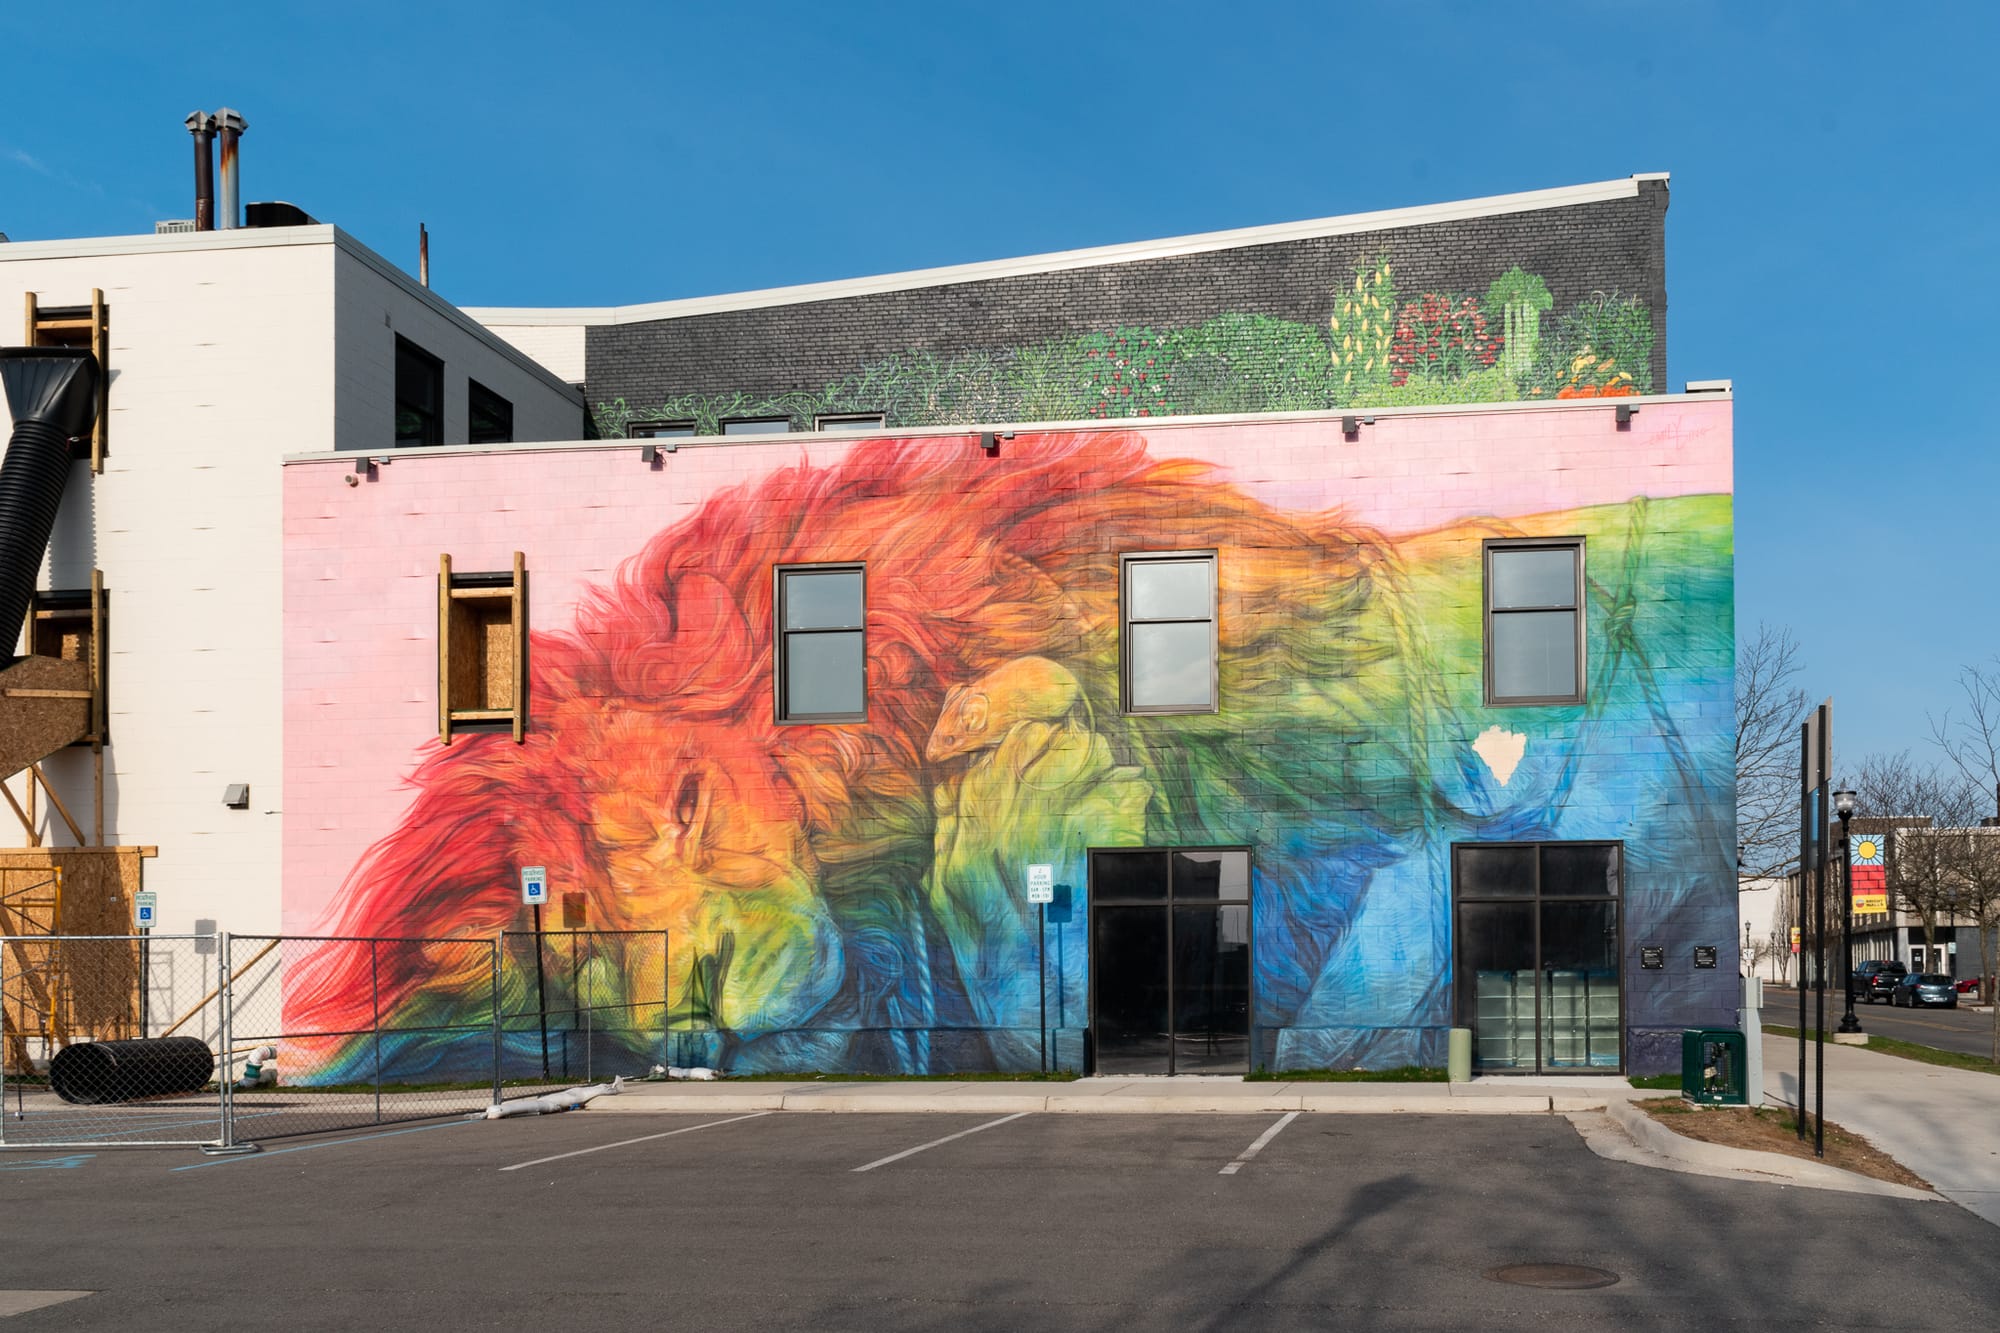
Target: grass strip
1908, 1050
1402, 1074
1057, 1076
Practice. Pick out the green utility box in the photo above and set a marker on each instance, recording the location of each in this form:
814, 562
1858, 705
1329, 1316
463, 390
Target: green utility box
1714, 1064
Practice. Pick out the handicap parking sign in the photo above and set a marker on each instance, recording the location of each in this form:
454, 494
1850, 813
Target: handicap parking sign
145, 904
534, 885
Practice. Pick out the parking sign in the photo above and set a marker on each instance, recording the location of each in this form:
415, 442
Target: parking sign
144, 905
1041, 883
534, 885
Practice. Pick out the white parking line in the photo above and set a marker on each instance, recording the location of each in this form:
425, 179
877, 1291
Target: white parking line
1258, 1146
626, 1143
926, 1147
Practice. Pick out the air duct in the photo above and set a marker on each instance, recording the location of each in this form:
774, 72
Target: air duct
52, 393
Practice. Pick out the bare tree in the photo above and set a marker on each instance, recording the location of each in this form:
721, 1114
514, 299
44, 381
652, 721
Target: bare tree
1970, 743
1769, 707
1925, 879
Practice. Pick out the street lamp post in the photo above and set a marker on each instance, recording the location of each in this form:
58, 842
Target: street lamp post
1843, 805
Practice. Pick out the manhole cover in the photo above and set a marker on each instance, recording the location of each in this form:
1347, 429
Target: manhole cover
1553, 1277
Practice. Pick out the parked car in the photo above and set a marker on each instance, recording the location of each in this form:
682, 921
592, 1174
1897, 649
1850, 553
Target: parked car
1968, 985
1876, 978
1921, 988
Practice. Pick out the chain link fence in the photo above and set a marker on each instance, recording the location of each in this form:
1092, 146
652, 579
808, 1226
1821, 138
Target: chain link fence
581, 1006
213, 1041
110, 1040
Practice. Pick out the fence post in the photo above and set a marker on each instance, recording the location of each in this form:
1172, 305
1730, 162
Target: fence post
375, 1023
18, 1109
225, 1002
666, 999
494, 946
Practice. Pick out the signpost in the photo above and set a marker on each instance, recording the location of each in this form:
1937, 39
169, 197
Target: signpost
145, 905
1042, 892
1815, 814
535, 892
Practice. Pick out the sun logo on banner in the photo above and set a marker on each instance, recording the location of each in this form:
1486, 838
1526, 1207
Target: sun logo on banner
1867, 851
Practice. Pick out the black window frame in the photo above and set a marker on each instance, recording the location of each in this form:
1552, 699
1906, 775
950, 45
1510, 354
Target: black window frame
660, 430
478, 399
781, 638
1500, 546
1620, 896
1127, 561
727, 422
857, 421
433, 369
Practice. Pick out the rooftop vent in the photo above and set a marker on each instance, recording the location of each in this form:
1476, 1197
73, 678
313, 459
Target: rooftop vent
172, 226
276, 213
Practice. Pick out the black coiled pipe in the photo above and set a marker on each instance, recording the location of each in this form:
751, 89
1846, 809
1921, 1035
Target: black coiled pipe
52, 394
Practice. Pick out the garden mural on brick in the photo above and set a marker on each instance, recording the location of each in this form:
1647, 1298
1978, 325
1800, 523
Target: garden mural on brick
849, 896
1373, 350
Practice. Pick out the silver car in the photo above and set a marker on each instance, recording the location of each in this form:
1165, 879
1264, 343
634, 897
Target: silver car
1919, 988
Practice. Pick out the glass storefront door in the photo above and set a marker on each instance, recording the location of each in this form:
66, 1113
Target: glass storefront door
1538, 950
1170, 961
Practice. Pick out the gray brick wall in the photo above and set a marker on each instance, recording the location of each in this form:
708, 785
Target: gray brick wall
1578, 250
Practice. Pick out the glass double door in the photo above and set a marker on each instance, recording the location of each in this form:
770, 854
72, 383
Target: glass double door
1538, 955
1170, 962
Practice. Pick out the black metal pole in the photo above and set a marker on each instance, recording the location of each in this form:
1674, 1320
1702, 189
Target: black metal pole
1819, 949
541, 996
1848, 1022
1805, 916
1042, 967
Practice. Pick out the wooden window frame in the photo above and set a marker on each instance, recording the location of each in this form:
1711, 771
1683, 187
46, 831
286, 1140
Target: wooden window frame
96, 320
52, 613
466, 603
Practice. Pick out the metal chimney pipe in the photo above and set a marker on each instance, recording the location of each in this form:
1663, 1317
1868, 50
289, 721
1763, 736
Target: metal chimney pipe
231, 126
202, 126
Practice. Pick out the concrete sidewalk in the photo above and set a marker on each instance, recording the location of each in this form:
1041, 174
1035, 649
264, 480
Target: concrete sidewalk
1139, 1096
1943, 1124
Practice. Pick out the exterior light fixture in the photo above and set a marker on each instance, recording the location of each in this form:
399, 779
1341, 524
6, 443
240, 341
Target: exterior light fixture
1350, 426
237, 796
1843, 805
649, 453
1625, 411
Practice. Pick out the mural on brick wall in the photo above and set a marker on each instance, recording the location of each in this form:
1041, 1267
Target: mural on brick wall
851, 897
1376, 348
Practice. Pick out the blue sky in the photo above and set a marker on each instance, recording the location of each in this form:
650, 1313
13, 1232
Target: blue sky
1830, 245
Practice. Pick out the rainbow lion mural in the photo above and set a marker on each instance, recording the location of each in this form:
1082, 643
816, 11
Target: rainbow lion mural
850, 897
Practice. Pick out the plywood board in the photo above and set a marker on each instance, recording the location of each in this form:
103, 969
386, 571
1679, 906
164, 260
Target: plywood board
44, 705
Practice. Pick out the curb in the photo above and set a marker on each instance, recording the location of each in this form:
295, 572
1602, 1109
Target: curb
862, 1099
1719, 1159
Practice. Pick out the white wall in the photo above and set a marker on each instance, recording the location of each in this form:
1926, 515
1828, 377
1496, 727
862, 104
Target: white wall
219, 364
560, 347
374, 304
228, 351
1756, 907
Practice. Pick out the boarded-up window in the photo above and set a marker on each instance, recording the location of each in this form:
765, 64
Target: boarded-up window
482, 650
69, 624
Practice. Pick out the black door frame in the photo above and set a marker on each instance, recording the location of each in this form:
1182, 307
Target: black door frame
1167, 905
1461, 1019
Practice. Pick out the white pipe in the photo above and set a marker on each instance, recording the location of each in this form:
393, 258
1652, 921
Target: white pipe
570, 1099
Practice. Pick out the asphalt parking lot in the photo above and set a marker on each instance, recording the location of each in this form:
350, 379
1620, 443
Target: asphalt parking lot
794, 1220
